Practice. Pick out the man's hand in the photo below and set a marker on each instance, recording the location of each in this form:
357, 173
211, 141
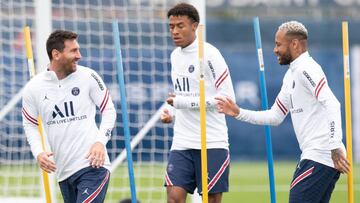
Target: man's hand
170, 99
165, 116
96, 155
45, 163
227, 106
340, 162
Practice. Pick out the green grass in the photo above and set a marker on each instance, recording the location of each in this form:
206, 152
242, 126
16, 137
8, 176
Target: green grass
248, 183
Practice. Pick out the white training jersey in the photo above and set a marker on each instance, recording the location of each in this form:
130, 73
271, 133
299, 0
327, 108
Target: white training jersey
314, 109
67, 108
185, 78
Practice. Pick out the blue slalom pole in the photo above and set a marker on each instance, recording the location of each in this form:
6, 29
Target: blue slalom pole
264, 104
124, 113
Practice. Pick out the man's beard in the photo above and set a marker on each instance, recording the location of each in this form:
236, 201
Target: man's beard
285, 59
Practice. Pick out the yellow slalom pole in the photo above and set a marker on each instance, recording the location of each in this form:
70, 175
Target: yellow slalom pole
348, 109
204, 171
31, 66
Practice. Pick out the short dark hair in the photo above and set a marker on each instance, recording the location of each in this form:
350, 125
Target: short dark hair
184, 9
57, 39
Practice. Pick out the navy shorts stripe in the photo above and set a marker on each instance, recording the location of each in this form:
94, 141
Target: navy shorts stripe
312, 182
184, 170
87, 185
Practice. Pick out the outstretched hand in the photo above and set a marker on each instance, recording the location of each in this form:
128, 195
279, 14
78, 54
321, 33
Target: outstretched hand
340, 161
227, 106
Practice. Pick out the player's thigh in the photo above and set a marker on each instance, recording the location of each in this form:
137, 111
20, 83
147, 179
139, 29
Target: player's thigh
312, 182
218, 170
92, 185
180, 171
68, 191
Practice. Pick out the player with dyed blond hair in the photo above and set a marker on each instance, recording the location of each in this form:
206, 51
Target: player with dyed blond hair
315, 114
65, 97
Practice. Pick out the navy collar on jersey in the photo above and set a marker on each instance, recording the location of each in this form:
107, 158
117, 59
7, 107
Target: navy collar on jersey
295, 63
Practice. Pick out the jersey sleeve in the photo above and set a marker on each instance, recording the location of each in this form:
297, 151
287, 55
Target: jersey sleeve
30, 122
220, 75
273, 116
101, 97
217, 72
316, 83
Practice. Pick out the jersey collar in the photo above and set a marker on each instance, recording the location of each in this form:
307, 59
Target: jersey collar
51, 75
192, 47
297, 62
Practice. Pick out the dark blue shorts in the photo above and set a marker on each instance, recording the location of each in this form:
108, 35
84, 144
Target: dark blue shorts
87, 185
312, 182
184, 170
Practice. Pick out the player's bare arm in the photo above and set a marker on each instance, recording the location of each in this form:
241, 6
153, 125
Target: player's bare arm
96, 155
45, 162
227, 106
340, 161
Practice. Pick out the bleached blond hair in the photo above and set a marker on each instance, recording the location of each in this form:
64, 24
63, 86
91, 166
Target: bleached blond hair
294, 28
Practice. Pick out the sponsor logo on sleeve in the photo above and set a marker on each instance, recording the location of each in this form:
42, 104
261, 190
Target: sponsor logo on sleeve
332, 129
309, 78
212, 69
101, 86
108, 133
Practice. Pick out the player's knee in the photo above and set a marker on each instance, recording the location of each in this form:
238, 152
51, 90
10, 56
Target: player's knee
176, 195
215, 198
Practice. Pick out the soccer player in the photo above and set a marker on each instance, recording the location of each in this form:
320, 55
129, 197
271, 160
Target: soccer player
183, 172
65, 97
315, 114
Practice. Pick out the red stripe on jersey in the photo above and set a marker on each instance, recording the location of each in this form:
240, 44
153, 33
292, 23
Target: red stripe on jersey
281, 106
221, 78
98, 190
302, 177
104, 102
218, 85
28, 117
321, 86
318, 85
167, 180
219, 173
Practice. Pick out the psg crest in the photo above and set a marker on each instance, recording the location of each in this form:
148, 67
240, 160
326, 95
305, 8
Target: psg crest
75, 91
191, 68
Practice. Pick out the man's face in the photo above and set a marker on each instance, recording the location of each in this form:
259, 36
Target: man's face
182, 30
282, 48
69, 57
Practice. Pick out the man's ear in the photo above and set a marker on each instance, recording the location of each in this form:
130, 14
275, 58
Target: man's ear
194, 26
295, 43
55, 54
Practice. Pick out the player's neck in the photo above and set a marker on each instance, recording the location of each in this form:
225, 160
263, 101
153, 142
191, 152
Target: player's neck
60, 72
